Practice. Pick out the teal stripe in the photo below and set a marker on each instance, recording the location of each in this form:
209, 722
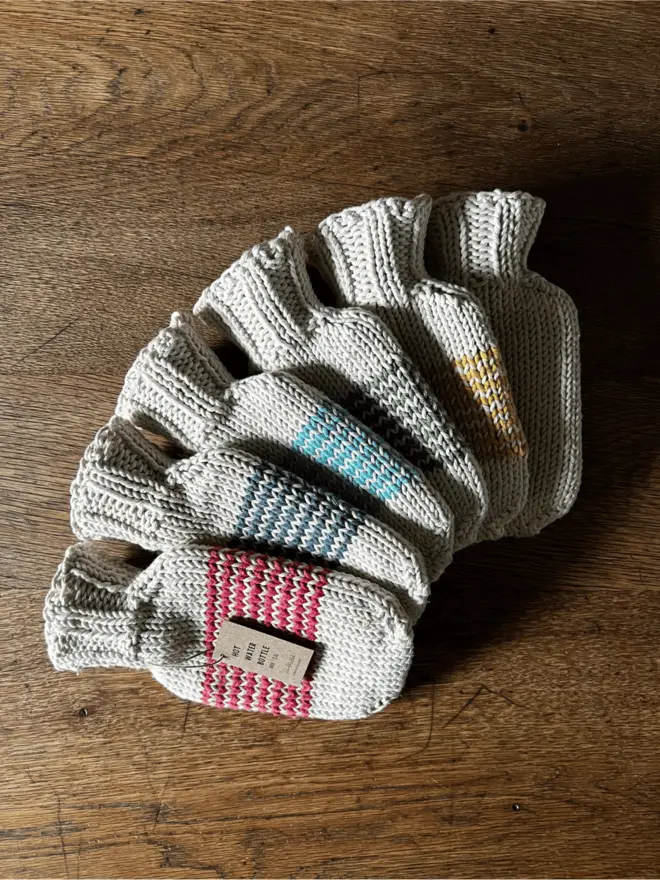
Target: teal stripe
351, 451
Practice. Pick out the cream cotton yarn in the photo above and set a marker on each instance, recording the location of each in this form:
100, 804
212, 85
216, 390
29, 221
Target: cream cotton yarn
128, 489
99, 612
265, 302
373, 257
482, 240
381, 434
178, 387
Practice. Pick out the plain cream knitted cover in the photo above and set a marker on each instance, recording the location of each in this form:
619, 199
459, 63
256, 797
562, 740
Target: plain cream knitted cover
265, 302
177, 387
373, 256
165, 619
482, 240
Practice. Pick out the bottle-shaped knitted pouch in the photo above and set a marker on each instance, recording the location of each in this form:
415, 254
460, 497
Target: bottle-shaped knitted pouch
178, 387
373, 257
482, 240
128, 489
101, 613
265, 302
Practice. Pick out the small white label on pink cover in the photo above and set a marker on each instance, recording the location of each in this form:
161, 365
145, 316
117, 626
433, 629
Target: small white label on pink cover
254, 651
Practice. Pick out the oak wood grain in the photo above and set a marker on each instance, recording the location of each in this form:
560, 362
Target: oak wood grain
142, 148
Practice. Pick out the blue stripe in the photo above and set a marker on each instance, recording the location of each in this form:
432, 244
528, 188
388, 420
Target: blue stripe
273, 499
325, 526
314, 539
353, 452
248, 506
340, 534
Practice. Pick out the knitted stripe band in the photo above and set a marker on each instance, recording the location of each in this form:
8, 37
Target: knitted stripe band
482, 240
126, 488
373, 256
266, 303
177, 386
101, 613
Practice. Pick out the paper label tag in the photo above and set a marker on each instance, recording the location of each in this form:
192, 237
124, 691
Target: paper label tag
254, 651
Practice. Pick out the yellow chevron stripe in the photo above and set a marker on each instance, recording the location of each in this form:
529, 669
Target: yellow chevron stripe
483, 374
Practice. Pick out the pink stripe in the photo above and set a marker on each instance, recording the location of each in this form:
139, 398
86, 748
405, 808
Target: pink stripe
229, 561
221, 685
226, 584
290, 703
256, 596
314, 605
262, 698
274, 580
209, 638
250, 687
228, 591
305, 697
276, 692
239, 583
288, 587
297, 616
236, 679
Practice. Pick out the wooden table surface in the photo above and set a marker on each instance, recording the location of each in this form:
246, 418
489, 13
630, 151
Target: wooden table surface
141, 150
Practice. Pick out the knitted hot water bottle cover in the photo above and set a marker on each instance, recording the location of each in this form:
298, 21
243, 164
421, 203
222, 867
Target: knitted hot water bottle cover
373, 256
265, 302
102, 613
178, 387
128, 489
482, 240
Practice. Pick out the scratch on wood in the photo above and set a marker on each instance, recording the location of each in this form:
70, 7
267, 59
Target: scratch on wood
61, 834
47, 342
157, 812
185, 720
522, 103
146, 763
465, 706
161, 803
430, 732
504, 697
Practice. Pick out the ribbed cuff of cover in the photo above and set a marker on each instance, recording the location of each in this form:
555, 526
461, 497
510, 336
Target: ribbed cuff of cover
176, 385
90, 616
264, 301
374, 253
185, 327
120, 480
483, 235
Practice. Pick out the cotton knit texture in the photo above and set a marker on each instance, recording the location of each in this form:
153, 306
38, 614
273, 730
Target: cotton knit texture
178, 387
373, 257
265, 302
482, 240
101, 613
128, 489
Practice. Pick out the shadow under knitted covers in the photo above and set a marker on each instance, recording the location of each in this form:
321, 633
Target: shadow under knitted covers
595, 243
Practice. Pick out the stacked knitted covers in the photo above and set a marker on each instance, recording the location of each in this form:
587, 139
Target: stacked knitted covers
300, 514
